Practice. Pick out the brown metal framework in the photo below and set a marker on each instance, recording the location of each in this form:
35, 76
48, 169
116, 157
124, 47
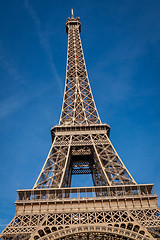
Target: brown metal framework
116, 207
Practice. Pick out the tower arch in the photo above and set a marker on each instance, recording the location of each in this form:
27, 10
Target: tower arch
96, 231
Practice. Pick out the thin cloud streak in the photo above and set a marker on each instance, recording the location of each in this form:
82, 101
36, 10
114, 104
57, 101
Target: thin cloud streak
18, 100
119, 68
119, 64
9, 65
3, 224
44, 43
11, 104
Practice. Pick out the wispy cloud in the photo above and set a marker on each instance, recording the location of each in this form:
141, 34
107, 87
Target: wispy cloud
119, 64
118, 67
3, 224
19, 96
11, 104
118, 84
9, 64
44, 41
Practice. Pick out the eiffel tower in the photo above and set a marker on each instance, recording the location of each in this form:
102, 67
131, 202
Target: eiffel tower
115, 207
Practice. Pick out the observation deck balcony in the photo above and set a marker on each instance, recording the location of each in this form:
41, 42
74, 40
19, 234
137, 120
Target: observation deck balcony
80, 129
40, 201
84, 193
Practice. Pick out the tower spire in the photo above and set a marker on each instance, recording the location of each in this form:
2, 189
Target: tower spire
72, 15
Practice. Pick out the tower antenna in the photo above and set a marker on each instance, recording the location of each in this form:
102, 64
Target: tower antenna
72, 15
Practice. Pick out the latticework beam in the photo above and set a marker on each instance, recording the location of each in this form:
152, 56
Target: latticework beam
106, 166
78, 103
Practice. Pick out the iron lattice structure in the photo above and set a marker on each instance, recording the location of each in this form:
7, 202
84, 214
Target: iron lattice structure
116, 207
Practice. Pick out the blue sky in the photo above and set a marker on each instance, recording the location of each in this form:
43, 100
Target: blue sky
121, 43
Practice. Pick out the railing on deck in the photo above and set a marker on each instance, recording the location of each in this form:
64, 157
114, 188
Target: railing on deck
52, 194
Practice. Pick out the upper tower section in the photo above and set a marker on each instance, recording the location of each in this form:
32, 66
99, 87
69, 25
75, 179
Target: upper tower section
73, 22
78, 103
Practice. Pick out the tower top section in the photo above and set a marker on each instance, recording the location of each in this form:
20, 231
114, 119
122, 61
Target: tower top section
78, 104
73, 22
